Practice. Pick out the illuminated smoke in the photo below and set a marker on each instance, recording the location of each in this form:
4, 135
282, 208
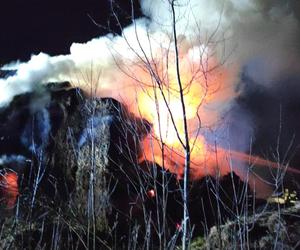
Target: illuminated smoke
40, 69
243, 28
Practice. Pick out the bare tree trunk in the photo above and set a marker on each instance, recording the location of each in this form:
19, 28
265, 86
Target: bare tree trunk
186, 219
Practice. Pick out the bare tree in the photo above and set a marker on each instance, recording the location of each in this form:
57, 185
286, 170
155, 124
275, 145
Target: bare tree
158, 87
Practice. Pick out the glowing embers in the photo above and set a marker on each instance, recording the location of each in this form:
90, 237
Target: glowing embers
151, 193
8, 189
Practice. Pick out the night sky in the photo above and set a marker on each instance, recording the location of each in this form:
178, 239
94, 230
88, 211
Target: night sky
51, 26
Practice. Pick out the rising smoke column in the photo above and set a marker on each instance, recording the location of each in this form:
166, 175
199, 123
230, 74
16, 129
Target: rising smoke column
250, 28
227, 33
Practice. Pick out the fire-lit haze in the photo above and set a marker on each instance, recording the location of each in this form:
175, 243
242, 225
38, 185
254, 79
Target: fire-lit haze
215, 39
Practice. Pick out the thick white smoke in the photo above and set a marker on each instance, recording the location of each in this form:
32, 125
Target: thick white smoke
240, 28
39, 70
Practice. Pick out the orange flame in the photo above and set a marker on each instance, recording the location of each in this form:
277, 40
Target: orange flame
151, 91
9, 187
160, 104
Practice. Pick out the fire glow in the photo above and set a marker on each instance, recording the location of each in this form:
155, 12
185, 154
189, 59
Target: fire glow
153, 94
9, 187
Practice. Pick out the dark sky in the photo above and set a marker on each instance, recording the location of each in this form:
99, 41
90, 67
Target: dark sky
51, 26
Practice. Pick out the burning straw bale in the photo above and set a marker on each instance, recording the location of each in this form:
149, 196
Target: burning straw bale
82, 154
71, 193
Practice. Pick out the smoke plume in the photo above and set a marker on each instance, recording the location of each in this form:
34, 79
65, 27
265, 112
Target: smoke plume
237, 30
